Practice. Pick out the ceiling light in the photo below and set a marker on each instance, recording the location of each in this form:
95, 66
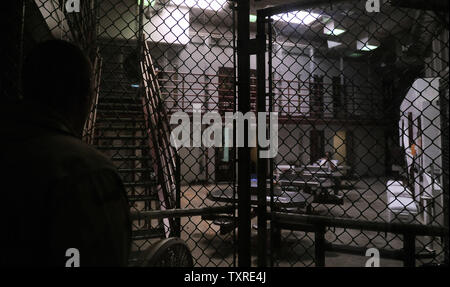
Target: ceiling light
334, 32
297, 17
332, 44
214, 5
330, 29
366, 44
147, 3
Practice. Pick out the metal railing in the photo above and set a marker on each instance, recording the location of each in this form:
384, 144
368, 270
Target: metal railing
293, 98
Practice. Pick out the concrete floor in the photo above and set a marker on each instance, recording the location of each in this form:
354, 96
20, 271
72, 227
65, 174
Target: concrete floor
365, 201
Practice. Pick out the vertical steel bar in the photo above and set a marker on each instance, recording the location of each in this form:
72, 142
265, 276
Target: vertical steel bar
262, 162
234, 133
270, 79
319, 248
244, 231
141, 25
444, 113
409, 248
177, 194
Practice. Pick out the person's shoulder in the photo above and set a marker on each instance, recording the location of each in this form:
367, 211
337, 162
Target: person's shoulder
75, 156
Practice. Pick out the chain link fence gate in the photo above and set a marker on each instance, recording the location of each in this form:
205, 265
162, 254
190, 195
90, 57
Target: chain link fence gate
361, 161
359, 90
152, 58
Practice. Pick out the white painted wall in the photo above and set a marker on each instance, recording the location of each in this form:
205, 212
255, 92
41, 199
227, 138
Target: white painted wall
421, 101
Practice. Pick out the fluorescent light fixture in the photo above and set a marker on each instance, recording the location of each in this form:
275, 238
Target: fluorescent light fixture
366, 44
253, 18
368, 47
334, 32
297, 17
147, 3
330, 29
333, 44
214, 5
135, 85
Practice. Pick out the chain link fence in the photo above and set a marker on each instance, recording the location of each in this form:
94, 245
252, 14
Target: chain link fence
361, 98
356, 88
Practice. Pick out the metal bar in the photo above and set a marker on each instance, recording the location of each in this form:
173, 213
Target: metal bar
437, 5
234, 153
398, 228
361, 251
178, 194
166, 186
174, 213
262, 162
444, 113
271, 161
319, 246
299, 5
140, 31
244, 228
409, 247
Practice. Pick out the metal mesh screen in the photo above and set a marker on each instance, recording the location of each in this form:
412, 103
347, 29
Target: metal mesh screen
361, 97
357, 96
152, 59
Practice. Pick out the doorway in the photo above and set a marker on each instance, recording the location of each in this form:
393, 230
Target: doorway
340, 147
317, 145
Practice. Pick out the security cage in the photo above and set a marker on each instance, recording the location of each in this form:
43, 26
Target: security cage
355, 85
360, 92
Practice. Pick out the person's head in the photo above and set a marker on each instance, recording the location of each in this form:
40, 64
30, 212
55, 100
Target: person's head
58, 75
328, 155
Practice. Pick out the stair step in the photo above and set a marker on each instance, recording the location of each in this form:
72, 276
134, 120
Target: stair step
123, 106
130, 170
139, 184
130, 158
109, 128
116, 120
112, 112
124, 137
118, 96
148, 233
122, 147
142, 198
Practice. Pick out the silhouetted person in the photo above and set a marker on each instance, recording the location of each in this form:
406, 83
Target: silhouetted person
56, 191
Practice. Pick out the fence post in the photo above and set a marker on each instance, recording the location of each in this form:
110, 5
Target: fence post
444, 112
319, 249
244, 228
409, 249
262, 162
177, 193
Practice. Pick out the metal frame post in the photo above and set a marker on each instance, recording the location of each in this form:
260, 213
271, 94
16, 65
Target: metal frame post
244, 222
262, 162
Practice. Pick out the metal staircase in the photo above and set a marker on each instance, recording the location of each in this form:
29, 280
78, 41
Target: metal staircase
121, 134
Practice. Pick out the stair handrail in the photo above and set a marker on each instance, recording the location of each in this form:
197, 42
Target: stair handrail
89, 127
158, 129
